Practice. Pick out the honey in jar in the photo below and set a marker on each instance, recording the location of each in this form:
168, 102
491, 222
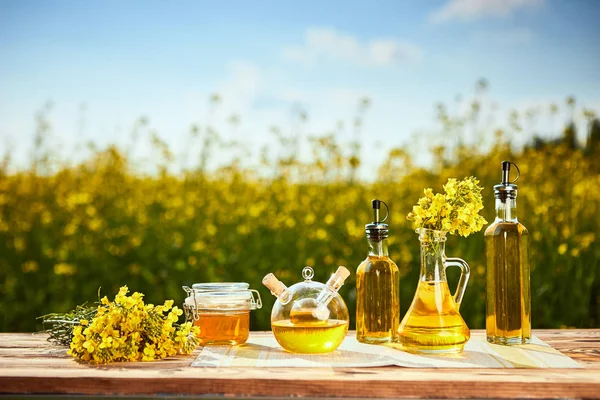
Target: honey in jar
221, 311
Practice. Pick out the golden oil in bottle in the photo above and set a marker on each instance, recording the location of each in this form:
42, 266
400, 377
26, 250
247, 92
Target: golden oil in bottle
312, 317
377, 288
305, 316
310, 337
508, 316
222, 328
433, 324
377, 300
508, 292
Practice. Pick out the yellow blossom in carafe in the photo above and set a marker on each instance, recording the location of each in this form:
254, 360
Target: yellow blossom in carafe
433, 323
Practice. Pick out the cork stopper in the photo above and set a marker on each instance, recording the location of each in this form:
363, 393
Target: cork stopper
273, 284
337, 279
342, 272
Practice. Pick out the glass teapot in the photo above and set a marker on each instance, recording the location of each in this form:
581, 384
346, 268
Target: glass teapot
309, 316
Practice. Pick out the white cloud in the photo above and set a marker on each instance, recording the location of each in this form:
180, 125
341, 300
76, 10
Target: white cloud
342, 97
243, 85
328, 44
292, 95
505, 37
468, 10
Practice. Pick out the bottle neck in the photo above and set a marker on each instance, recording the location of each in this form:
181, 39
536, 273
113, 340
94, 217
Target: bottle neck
277, 288
506, 210
332, 286
378, 247
432, 260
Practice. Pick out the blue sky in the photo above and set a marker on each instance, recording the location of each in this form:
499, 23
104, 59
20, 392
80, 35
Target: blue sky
105, 63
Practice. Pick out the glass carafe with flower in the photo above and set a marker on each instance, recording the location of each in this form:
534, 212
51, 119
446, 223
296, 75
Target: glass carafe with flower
433, 323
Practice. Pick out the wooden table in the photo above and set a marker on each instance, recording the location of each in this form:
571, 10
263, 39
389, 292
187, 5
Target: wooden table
31, 365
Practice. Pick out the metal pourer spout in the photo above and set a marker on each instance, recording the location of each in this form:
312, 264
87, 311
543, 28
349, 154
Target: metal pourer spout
377, 229
376, 207
507, 188
505, 172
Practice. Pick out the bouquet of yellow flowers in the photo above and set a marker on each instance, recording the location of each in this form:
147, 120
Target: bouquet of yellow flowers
456, 211
126, 329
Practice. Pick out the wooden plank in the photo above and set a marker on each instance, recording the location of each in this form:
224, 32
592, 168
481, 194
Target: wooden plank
29, 365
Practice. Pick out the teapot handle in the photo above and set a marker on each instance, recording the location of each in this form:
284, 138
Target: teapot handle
464, 276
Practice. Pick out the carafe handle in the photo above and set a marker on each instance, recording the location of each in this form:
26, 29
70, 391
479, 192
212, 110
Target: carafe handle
464, 276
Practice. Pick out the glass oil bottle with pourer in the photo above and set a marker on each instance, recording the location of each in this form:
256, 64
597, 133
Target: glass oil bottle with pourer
433, 324
508, 300
309, 317
377, 287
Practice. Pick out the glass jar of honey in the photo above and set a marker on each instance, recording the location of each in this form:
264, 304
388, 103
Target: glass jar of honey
221, 311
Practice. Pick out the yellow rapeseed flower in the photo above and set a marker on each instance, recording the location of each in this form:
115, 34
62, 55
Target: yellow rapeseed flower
64, 269
126, 329
30, 266
562, 248
456, 211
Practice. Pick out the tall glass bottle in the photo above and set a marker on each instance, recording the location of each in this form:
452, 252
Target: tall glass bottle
377, 287
508, 301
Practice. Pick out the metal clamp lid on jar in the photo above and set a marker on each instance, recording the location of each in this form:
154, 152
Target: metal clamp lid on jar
217, 294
